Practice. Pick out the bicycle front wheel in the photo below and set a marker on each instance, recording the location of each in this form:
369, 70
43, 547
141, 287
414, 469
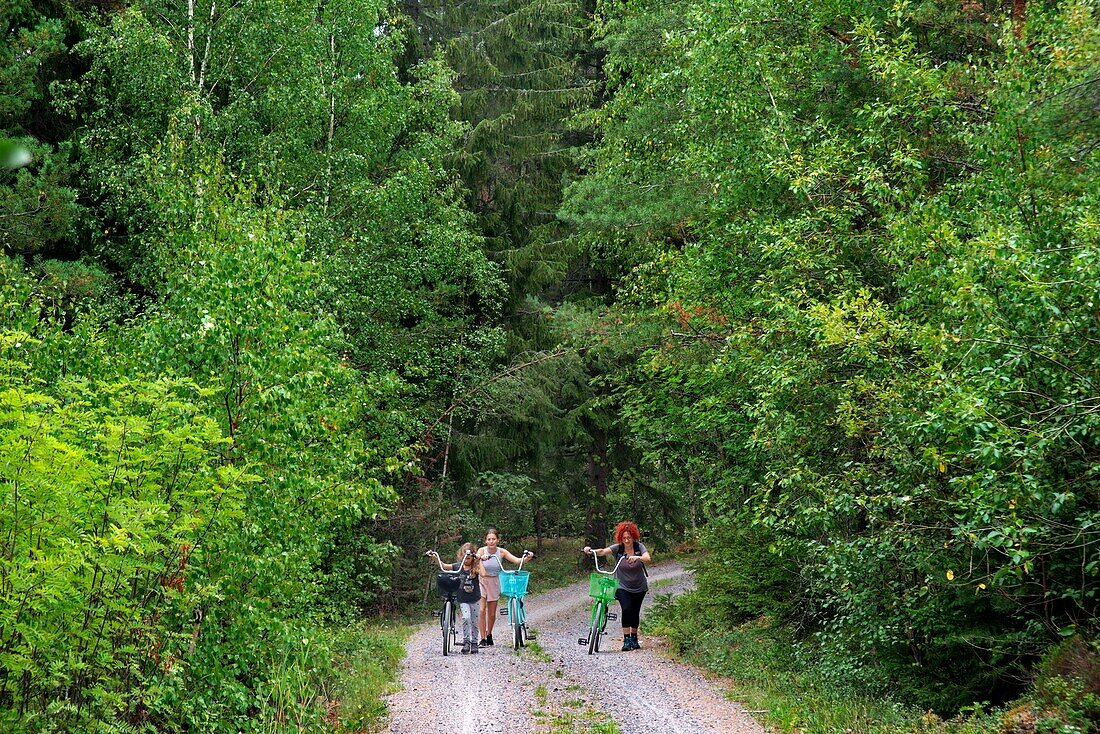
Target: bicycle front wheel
595, 628
522, 622
447, 622
513, 620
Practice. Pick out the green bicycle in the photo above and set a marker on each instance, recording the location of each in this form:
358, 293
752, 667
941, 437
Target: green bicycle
602, 586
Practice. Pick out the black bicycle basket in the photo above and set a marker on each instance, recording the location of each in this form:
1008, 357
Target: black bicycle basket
446, 584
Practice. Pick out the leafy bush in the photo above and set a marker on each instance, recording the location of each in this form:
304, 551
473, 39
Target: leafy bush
740, 578
875, 291
110, 490
1066, 696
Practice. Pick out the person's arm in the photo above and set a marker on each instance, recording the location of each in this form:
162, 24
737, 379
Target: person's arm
483, 553
601, 552
514, 559
448, 566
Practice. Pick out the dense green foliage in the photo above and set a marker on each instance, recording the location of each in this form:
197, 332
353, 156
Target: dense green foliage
871, 232
290, 292
522, 69
530, 449
220, 373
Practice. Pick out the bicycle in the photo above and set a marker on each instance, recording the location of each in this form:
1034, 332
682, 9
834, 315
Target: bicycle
602, 586
446, 585
513, 584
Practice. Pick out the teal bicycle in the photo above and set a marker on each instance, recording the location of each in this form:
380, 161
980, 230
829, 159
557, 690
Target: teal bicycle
513, 584
602, 586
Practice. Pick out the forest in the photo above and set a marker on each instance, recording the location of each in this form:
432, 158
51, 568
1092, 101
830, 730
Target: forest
291, 291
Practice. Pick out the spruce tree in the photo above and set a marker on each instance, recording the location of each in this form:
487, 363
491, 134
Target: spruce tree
523, 68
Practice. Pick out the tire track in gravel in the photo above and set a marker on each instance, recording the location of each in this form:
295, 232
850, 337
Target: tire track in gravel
499, 691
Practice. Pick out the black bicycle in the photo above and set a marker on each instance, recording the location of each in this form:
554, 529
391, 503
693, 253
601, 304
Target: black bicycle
446, 585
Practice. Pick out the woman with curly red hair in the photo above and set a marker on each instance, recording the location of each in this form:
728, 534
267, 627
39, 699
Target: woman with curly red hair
631, 573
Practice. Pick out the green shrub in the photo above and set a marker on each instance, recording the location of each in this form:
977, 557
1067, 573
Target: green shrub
108, 495
738, 576
366, 663
1067, 688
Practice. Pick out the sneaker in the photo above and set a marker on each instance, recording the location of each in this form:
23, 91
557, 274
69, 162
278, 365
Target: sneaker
489, 640
626, 644
634, 642
473, 649
483, 643
466, 647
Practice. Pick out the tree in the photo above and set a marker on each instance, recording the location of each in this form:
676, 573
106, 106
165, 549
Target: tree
37, 202
243, 166
872, 411
524, 67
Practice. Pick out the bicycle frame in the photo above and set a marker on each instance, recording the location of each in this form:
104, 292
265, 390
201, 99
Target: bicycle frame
597, 620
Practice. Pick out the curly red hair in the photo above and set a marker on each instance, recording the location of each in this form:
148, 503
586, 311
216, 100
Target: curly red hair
626, 526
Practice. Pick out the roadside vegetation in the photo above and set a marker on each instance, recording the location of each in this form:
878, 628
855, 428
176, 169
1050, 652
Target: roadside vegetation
366, 667
778, 673
290, 292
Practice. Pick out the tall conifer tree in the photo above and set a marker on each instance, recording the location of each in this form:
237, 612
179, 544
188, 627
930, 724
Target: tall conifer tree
524, 68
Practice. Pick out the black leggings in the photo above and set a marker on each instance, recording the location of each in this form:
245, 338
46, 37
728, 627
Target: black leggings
630, 606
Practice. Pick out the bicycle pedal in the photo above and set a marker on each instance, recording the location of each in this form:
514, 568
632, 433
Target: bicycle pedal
582, 641
612, 615
531, 634
504, 612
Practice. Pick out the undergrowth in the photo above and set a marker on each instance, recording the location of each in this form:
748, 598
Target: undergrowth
366, 664
780, 679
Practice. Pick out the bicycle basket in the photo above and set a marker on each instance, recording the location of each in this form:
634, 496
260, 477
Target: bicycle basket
601, 586
514, 583
446, 584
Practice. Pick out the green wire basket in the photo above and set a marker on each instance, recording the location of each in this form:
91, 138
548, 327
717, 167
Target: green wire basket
602, 586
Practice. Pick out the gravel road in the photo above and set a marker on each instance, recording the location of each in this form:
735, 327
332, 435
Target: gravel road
555, 684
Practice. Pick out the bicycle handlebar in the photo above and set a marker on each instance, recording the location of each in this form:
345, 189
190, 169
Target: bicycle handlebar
439, 560
596, 559
522, 557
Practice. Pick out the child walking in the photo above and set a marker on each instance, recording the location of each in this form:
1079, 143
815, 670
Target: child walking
469, 594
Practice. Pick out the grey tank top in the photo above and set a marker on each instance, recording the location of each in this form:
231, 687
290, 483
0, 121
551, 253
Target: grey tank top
491, 566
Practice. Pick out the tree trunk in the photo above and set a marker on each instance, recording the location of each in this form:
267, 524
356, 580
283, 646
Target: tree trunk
1019, 16
331, 122
595, 526
538, 528
691, 500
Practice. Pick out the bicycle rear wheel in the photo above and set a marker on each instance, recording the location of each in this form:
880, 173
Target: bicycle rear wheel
594, 628
447, 622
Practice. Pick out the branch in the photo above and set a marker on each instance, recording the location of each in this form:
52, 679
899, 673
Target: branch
459, 402
1029, 350
697, 335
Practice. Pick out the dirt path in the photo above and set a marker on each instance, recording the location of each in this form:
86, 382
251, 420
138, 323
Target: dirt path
555, 684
